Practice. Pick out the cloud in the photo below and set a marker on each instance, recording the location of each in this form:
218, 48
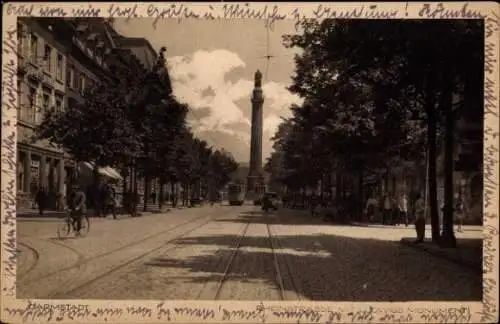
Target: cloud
208, 92
210, 83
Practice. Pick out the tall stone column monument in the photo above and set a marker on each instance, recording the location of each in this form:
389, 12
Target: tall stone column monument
255, 175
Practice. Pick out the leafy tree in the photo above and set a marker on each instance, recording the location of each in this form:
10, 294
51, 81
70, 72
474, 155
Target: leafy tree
364, 96
95, 130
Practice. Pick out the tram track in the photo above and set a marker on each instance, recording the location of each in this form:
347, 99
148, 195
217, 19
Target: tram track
81, 262
83, 279
291, 278
223, 279
116, 268
36, 256
278, 277
84, 259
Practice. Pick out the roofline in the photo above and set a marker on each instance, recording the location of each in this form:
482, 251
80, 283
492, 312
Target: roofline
112, 41
139, 39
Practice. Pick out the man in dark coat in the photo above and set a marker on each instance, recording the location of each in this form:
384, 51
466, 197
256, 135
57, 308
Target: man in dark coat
41, 200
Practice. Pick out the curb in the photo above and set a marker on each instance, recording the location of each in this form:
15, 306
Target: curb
441, 253
48, 215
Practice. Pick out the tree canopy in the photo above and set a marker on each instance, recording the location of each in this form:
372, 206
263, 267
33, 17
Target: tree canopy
377, 95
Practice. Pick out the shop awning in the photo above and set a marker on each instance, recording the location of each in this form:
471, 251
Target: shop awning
105, 171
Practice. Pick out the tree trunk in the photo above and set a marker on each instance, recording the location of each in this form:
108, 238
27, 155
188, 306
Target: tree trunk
386, 182
188, 193
360, 202
95, 193
431, 143
338, 189
147, 184
322, 186
124, 182
173, 194
448, 236
160, 198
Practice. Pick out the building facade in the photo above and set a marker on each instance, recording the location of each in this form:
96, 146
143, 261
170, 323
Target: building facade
59, 59
42, 60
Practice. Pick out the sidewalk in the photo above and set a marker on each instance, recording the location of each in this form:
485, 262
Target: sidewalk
33, 213
468, 253
47, 214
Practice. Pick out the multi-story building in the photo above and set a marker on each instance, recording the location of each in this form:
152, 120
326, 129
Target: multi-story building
59, 59
42, 59
90, 48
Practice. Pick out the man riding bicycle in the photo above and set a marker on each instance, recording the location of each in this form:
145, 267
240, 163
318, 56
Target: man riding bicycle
77, 207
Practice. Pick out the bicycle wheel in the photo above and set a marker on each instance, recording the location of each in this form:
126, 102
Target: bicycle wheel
63, 229
85, 226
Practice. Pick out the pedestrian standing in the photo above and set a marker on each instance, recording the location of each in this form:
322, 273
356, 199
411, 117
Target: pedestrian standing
420, 219
386, 214
41, 200
110, 201
403, 209
395, 212
370, 209
101, 200
460, 212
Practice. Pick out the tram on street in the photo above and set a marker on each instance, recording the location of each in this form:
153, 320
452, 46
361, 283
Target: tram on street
236, 194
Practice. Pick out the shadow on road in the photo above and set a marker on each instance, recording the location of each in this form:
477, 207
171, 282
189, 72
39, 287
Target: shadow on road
332, 267
281, 216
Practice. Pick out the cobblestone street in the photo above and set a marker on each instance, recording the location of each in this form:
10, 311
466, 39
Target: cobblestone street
235, 253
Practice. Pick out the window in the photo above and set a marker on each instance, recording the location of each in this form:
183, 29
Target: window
31, 107
33, 48
47, 58
59, 103
19, 101
45, 104
82, 82
20, 38
20, 171
60, 63
76, 83
70, 77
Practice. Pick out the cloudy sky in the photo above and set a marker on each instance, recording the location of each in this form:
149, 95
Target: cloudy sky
212, 66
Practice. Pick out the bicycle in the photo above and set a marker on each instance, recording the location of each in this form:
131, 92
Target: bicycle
69, 223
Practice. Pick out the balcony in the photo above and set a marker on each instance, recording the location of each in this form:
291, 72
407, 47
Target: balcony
35, 73
47, 79
23, 66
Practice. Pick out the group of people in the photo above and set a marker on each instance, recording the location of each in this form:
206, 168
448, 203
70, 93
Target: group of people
45, 199
387, 209
103, 199
399, 209
393, 210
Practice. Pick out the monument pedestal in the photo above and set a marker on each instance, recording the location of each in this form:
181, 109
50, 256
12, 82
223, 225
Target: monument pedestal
254, 186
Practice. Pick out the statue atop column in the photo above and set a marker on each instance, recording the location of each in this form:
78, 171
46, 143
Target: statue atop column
258, 79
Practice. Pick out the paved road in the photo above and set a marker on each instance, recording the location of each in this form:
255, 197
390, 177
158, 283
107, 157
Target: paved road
234, 253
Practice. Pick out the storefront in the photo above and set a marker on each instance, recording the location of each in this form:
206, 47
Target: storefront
38, 169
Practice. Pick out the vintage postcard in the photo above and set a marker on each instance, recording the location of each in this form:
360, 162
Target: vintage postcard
250, 162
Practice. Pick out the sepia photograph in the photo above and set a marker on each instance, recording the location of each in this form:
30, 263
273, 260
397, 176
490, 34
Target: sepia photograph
234, 160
